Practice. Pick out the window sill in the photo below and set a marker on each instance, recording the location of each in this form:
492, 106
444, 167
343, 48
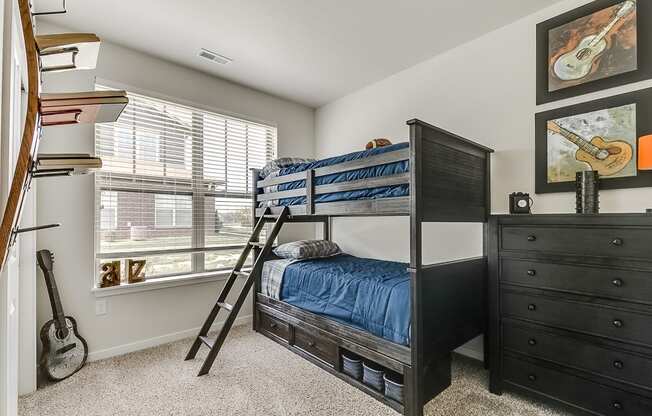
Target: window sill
162, 283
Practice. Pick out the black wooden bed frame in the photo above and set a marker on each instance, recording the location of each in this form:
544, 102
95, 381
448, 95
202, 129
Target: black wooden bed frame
449, 181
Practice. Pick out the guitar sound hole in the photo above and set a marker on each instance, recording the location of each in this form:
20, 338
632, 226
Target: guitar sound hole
60, 334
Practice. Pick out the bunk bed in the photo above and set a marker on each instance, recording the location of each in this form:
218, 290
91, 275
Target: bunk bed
437, 177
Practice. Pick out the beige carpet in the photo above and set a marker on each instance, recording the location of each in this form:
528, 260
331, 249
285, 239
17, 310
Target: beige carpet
252, 376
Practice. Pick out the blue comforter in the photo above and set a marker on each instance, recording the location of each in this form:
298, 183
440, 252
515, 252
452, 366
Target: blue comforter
373, 295
371, 172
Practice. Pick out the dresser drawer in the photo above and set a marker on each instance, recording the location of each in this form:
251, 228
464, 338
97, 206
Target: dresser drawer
316, 345
582, 393
584, 317
594, 241
611, 283
568, 351
273, 326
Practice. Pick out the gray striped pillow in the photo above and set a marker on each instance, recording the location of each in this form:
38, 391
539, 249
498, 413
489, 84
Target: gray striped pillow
307, 249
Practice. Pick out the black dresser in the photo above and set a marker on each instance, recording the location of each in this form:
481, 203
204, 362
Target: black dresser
570, 300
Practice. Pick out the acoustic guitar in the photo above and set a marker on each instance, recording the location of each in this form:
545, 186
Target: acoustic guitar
607, 157
579, 62
64, 350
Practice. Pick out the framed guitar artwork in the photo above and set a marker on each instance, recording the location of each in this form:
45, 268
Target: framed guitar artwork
601, 45
600, 135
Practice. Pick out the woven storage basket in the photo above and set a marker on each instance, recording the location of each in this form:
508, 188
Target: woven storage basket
394, 387
373, 376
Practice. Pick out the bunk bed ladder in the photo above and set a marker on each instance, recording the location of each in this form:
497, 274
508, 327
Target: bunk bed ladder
214, 345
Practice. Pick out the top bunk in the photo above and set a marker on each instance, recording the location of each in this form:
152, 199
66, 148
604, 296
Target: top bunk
436, 177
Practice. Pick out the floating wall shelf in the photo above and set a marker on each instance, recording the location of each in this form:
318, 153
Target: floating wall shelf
68, 163
82, 107
68, 51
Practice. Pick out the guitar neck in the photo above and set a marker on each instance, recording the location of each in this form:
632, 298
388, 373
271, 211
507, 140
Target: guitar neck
574, 138
627, 7
55, 301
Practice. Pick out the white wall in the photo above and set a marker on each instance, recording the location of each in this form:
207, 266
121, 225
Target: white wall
140, 319
483, 90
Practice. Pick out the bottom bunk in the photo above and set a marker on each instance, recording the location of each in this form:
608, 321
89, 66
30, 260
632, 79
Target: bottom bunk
452, 313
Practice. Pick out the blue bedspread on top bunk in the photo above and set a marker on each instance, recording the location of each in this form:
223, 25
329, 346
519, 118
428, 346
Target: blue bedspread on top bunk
370, 172
373, 295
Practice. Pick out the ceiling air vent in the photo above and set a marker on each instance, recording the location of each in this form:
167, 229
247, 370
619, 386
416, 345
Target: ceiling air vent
215, 57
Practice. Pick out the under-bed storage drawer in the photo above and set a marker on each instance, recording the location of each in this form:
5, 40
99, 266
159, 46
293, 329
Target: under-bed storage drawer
316, 345
273, 326
582, 393
573, 352
589, 318
612, 242
611, 283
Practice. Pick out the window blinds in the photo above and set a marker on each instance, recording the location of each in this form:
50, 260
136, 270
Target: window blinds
175, 185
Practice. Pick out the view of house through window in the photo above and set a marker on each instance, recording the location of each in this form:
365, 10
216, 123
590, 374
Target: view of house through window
175, 186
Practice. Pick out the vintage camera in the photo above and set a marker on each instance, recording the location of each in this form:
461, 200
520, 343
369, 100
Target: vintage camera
520, 203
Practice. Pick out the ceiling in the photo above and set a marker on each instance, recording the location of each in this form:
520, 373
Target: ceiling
310, 51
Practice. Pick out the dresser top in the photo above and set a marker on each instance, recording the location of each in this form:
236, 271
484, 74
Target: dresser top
634, 219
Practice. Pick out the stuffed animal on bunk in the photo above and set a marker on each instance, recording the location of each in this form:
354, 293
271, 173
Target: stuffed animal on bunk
378, 143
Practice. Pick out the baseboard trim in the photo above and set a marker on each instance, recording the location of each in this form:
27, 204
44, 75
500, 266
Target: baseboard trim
156, 341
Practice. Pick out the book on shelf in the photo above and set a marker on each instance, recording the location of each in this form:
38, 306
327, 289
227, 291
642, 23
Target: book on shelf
82, 107
72, 163
68, 51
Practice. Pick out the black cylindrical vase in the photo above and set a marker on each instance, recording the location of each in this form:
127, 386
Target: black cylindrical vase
588, 194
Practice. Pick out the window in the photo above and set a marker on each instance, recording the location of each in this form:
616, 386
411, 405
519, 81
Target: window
109, 211
175, 186
173, 211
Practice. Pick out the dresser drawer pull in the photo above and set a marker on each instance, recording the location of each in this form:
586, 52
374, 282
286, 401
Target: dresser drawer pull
532, 272
531, 238
532, 377
532, 342
619, 364
617, 405
617, 282
617, 242
533, 307
273, 325
618, 323
311, 344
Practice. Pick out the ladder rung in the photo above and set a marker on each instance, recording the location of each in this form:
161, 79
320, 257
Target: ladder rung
242, 274
209, 342
225, 305
260, 245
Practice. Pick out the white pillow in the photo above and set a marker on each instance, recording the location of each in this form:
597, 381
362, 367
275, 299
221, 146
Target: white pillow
307, 249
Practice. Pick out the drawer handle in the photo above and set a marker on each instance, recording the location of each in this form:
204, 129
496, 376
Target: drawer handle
531, 238
311, 344
532, 272
532, 342
532, 377
618, 323
619, 364
617, 282
531, 307
273, 325
617, 242
617, 405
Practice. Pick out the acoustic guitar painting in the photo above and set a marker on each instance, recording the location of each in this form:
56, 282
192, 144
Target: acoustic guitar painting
64, 350
603, 140
607, 157
597, 46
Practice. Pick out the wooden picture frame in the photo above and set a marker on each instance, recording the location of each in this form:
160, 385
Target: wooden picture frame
599, 110
622, 57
